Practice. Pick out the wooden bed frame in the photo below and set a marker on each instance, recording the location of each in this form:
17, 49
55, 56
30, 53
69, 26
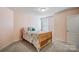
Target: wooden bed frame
42, 39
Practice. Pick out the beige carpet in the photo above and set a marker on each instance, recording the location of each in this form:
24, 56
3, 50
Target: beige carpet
24, 46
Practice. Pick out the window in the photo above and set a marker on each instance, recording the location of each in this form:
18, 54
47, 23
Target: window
44, 24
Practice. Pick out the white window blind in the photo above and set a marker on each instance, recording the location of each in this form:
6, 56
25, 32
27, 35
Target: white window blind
44, 24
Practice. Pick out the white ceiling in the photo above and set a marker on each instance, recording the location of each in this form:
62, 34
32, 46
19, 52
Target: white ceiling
36, 10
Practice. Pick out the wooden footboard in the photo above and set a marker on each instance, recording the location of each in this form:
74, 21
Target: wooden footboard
45, 38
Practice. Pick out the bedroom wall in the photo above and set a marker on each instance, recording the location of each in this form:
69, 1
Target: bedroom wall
6, 27
60, 23
25, 20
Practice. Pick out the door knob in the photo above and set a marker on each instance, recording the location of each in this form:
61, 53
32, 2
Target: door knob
67, 30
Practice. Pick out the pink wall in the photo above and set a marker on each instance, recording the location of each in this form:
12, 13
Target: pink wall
25, 20
6, 27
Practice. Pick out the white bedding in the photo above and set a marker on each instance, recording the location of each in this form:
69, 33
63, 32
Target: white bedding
32, 37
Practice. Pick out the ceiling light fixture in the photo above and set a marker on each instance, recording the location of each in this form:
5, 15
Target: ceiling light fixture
43, 9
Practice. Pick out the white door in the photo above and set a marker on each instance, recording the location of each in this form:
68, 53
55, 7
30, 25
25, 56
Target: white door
73, 30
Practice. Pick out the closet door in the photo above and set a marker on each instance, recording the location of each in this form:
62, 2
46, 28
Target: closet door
73, 30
